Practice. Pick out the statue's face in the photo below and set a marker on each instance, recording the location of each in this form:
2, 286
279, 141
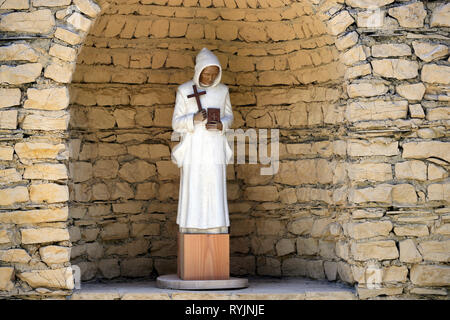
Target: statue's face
208, 75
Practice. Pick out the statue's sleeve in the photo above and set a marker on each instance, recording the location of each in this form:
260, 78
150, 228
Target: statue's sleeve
227, 119
182, 121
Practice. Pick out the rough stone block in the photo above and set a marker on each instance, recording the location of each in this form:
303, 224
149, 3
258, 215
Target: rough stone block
17, 52
46, 120
15, 4
79, 22
426, 149
441, 16
46, 171
23, 73
353, 55
51, 3
14, 256
39, 21
137, 171
44, 235
366, 89
369, 171
6, 278
88, 7
369, 229
381, 193
411, 230
416, 111
38, 150
428, 51
390, 50
340, 23
380, 250
409, 252
430, 275
404, 194
47, 99
410, 15
9, 97
67, 36
115, 231
411, 91
358, 148
56, 278
49, 192
396, 68
63, 52
414, 170
10, 196
35, 216
261, 193
433, 73
435, 250
60, 71
8, 119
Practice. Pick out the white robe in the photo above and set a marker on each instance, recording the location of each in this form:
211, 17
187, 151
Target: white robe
202, 154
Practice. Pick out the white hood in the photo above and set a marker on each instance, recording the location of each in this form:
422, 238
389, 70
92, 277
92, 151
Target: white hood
206, 58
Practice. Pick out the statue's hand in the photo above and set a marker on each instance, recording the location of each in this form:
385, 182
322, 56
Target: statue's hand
214, 125
200, 115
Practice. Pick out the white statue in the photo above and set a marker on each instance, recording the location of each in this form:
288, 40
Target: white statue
203, 152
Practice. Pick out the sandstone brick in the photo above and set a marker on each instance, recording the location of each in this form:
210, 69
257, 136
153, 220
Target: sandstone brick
435, 250
14, 256
177, 29
358, 71
368, 4
226, 32
410, 15
358, 148
146, 191
369, 171
81, 171
60, 71
411, 230
9, 175
346, 41
8, 119
67, 36
269, 227
49, 192
38, 150
145, 229
261, 193
441, 16
416, 111
369, 229
51, 3
396, 68
63, 52
159, 28
79, 22
34, 216
390, 50
46, 171
6, 153
436, 172
353, 55
23, 73
307, 247
366, 89
6, 277
39, 21
137, 267
438, 114
17, 52
404, 194
288, 196
409, 252
430, 275
195, 31
10, 196
44, 235
15, 4
280, 32
434, 73
47, 99
429, 52
115, 231
137, 171
109, 268
381, 193
88, 7
10, 97
426, 149
415, 169
370, 19
100, 118
380, 250
340, 22
56, 278
47, 121
411, 91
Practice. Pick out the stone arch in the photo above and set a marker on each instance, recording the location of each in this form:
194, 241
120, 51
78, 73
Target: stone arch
312, 224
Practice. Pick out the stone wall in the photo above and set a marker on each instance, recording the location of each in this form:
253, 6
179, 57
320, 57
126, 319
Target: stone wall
359, 94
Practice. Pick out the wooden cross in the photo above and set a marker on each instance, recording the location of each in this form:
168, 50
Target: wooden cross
197, 95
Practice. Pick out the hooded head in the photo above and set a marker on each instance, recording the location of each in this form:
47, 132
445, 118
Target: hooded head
206, 58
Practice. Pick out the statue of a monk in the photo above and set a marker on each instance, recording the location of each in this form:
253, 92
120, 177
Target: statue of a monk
203, 152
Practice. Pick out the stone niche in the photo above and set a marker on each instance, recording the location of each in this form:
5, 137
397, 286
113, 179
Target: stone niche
359, 94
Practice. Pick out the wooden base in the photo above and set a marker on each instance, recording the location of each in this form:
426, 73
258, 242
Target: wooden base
203, 256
